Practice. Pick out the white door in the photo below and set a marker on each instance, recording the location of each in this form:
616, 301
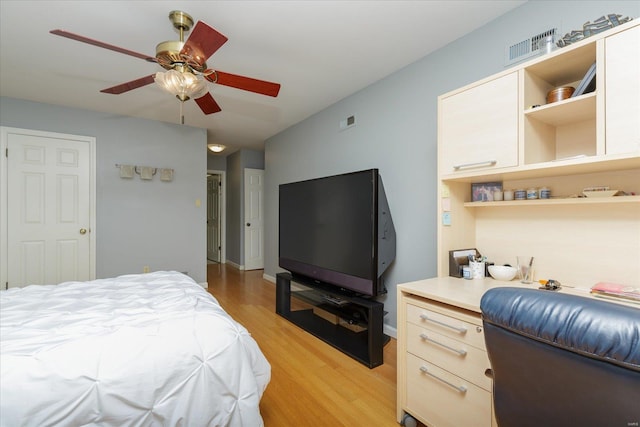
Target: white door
49, 203
253, 219
213, 217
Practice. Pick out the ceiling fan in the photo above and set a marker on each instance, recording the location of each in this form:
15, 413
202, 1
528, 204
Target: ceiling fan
185, 61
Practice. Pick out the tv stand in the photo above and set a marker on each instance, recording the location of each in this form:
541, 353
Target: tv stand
351, 324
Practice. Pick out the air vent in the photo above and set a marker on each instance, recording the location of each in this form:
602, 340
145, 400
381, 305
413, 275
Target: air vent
526, 48
348, 122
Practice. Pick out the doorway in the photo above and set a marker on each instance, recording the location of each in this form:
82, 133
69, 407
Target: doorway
216, 235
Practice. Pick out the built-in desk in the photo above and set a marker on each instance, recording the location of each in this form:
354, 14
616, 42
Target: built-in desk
444, 374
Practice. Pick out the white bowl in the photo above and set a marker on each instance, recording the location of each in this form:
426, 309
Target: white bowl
502, 272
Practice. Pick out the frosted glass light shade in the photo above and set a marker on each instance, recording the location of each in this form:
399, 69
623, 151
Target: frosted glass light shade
183, 85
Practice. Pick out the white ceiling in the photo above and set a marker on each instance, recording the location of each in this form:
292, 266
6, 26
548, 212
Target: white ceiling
319, 51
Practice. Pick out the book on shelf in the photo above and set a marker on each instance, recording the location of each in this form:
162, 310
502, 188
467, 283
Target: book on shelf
616, 290
588, 82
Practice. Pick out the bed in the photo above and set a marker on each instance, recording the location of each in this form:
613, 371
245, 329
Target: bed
137, 350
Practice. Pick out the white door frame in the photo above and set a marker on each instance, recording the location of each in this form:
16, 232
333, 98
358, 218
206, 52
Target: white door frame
223, 214
4, 190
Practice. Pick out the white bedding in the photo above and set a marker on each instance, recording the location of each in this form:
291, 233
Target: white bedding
138, 350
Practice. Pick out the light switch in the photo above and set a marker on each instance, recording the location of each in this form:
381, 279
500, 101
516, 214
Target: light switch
446, 218
198, 203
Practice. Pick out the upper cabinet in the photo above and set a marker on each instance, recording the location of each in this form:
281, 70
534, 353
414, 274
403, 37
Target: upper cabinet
480, 126
622, 99
504, 129
505, 124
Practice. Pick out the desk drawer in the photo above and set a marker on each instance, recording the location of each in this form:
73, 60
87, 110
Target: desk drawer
453, 355
443, 399
447, 325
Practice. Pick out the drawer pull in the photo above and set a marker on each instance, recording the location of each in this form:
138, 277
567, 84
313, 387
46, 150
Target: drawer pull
475, 164
446, 325
461, 389
460, 352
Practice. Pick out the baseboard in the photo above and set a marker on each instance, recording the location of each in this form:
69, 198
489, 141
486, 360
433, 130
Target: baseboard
391, 331
268, 278
234, 265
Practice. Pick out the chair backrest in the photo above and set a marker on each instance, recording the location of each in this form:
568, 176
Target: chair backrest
562, 360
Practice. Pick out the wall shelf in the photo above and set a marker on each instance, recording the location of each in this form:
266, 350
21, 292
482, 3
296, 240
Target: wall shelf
556, 201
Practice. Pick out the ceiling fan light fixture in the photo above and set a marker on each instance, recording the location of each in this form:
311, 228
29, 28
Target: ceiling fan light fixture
216, 148
182, 84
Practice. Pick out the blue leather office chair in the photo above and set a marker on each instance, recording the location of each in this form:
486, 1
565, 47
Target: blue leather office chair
562, 360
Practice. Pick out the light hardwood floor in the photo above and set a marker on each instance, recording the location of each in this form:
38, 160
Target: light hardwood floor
312, 384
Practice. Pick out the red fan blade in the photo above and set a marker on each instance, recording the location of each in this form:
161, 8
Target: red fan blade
102, 45
202, 43
245, 83
133, 84
207, 104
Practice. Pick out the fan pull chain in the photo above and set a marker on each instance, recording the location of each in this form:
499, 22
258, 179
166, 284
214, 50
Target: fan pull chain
181, 114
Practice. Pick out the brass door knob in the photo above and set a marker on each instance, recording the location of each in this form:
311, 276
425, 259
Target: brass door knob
83, 231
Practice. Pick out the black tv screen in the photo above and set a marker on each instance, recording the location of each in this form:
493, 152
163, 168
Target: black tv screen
337, 231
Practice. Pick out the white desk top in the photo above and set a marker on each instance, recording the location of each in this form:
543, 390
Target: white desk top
466, 294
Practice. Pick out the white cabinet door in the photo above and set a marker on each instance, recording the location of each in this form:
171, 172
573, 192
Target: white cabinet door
622, 83
479, 126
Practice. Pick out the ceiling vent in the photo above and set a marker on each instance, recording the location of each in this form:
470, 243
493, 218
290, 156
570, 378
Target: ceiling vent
526, 48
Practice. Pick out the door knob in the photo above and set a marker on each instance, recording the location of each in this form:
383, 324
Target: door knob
83, 231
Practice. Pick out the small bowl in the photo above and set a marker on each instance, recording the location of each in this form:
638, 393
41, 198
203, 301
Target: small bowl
502, 272
560, 93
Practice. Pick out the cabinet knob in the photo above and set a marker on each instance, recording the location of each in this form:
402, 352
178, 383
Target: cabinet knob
478, 329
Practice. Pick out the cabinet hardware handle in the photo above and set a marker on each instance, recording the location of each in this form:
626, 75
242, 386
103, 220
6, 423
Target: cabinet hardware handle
460, 389
488, 373
455, 328
460, 352
475, 164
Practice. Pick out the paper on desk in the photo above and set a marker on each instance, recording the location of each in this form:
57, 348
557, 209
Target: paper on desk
464, 253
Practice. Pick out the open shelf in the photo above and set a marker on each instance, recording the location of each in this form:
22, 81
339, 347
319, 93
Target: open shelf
556, 201
571, 110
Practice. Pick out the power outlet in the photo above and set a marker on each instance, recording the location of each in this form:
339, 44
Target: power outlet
145, 269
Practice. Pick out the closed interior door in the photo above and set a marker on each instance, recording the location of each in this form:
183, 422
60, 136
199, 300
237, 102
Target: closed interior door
49, 209
254, 219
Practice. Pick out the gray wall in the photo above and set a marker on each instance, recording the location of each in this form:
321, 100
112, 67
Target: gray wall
139, 223
236, 164
396, 132
216, 162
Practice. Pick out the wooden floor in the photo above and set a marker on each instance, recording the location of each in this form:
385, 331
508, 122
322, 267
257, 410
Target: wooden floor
312, 384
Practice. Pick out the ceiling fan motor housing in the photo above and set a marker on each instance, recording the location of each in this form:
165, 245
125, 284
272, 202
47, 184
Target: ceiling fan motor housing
170, 53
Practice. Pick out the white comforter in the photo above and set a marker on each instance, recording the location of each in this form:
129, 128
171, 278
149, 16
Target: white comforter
138, 350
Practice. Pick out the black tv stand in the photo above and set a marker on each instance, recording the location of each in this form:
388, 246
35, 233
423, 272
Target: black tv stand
351, 324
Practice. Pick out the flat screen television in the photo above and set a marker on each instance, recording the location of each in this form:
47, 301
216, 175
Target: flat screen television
337, 231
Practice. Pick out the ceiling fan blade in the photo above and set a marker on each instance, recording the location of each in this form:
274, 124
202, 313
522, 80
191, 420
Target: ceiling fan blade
207, 104
202, 43
245, 83
133, 84
102, 45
